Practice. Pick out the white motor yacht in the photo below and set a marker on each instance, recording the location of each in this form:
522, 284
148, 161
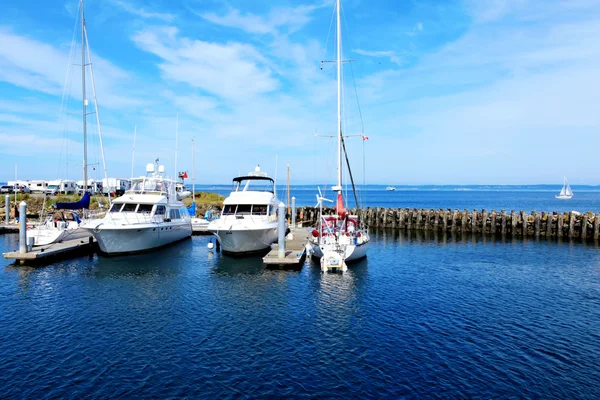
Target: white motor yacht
146, 217
248, 222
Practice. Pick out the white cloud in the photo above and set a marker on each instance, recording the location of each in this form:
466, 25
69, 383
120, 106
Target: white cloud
289, 18
233, 71
381, 54
140, 12
40, 67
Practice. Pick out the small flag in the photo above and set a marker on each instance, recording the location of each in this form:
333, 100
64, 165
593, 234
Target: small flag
184, 175
365, 137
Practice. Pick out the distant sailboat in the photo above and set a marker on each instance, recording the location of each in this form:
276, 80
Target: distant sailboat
566, 192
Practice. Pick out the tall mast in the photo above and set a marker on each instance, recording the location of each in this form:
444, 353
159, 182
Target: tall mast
85, 181
193, 175
339, 96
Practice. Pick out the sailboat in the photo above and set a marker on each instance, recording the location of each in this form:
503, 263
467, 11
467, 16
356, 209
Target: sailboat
65, 225
566, 192
339, 238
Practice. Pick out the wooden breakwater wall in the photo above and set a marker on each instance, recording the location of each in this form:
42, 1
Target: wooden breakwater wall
571, 225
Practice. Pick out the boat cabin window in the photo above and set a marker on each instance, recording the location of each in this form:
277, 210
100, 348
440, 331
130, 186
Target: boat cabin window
253, 184
160, 210
174, 214
229, 209
116, 207
129, 207
244, 209
145, 208
259, 209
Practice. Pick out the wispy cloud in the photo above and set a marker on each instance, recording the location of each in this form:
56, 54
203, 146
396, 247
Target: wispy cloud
141, 12
289, 18
381, 54
234, 71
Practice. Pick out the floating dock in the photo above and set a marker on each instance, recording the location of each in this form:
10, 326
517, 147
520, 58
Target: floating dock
9, 229
54, 251
295, 250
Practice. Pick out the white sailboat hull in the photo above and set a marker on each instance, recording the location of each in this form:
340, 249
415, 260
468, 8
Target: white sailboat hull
563, 196
245, 240
350, 252
43, 236
137, 238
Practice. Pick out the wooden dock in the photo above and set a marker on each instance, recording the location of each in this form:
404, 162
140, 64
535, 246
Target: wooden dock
9, 229
44, 254
295, 250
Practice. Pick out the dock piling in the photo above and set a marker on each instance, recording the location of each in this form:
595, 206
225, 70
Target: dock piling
7, 205
281, 230
293, 212
23, 227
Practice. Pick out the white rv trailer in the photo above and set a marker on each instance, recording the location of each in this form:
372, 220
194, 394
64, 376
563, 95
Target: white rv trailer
62, 186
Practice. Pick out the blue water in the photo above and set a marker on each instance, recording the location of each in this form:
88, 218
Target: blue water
526, 198
422, 317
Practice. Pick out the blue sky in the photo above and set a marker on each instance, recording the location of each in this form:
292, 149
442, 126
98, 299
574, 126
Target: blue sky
451, 92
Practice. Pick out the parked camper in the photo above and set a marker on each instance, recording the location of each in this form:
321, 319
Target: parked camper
117, 186
20, 186
61, 186
93, 186
38, 186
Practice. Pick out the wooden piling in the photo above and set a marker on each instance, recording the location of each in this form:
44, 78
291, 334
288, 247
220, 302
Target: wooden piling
493, 223
503, 222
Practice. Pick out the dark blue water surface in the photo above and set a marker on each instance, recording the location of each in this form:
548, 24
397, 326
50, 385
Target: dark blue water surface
422, 317
526, 198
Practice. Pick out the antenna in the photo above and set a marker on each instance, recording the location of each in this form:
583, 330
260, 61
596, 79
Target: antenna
176, 141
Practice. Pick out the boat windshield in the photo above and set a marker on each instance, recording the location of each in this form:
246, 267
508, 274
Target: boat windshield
253, 184
147, 185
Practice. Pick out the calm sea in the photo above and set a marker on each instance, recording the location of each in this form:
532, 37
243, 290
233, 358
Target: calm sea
527, 198
422, 317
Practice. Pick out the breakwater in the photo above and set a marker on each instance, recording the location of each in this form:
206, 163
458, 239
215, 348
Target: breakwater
572, 225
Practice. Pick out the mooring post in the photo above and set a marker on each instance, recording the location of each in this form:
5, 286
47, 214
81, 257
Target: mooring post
559, 225
484, 218
596, 226
401, 223
514, 221
537, 224
293, 212
503, 223
474, 221
549, 224
571, 225
7, 206
525, 219
23, 227
465, 218
281, 230
493, 223
584, 222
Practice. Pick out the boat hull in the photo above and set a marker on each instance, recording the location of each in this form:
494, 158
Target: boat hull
115, 240
43, 236
245, 241
563, 197
351, 252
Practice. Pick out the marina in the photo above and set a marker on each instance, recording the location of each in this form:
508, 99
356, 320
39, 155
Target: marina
398, 235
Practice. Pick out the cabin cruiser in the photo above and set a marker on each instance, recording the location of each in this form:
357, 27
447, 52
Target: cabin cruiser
61, 224
248, 222
149, 215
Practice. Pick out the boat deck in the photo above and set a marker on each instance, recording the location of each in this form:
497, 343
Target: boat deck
295, 250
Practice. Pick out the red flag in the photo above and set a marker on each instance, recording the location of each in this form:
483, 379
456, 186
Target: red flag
365, 137
340, 206
184, 175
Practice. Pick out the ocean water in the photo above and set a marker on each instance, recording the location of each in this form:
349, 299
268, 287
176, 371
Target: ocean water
424, 316
526, 198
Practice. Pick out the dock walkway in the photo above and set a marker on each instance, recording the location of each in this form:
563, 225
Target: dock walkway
9, 228
295, 249
50, 252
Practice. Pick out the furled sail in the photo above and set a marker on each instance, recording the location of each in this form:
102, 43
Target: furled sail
84, 202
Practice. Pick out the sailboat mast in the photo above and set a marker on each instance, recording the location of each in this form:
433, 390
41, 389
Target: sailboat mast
339, 96
193, 175
85, 181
